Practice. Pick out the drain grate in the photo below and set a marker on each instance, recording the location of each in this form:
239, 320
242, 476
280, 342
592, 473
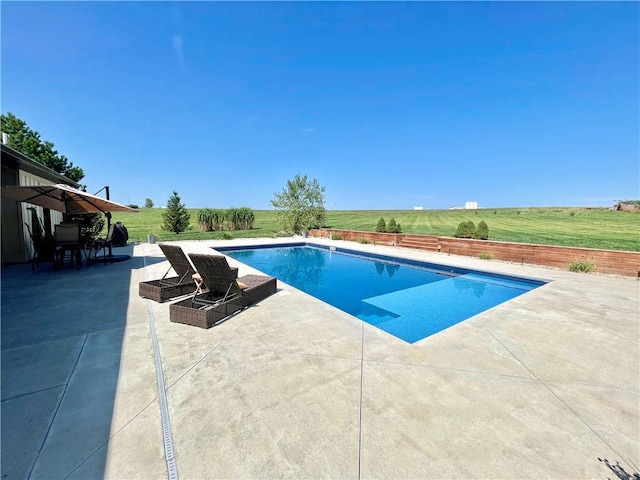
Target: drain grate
172, 468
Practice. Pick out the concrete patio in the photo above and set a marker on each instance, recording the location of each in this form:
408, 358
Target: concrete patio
544, 386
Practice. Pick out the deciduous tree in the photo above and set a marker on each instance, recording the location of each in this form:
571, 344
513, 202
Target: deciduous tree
300, 205
28, 141
482, 233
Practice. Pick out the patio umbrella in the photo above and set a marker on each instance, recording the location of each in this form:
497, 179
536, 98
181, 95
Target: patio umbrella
63, 198
66, 199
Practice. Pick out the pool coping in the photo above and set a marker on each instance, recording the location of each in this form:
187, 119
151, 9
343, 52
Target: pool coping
427, 325
406, 260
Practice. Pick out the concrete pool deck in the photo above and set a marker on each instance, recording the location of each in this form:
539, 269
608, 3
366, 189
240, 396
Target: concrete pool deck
546, 385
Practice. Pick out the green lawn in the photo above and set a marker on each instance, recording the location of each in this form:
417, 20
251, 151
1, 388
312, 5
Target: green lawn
578, 227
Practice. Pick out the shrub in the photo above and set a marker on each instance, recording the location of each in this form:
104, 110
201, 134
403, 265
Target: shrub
572, 214
465, 230
392, 227
91, 224
482, 233
583, 266
336, 236
381, 227
217, 219
229, 218
246, 218
398, 228
205, 219
239, 218
485, 256
227, 236
363, 240
471, 228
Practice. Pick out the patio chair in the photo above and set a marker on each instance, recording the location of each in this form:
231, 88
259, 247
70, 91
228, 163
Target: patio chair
226, 294
41, 247
186, 281
103, 244
67, 238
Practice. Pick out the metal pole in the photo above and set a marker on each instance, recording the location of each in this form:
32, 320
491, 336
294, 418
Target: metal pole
108, 215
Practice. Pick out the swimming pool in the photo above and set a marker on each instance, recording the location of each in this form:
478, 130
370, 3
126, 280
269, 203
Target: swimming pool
408, 299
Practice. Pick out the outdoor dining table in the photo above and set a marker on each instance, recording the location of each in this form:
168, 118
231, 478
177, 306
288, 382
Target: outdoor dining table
75, 254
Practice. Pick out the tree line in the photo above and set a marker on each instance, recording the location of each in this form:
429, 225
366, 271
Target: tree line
175, 218
28, 141
299, 206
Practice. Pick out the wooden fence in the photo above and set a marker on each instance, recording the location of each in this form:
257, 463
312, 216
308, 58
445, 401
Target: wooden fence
606, 261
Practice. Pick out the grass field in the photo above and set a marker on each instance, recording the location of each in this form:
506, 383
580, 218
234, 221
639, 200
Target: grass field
576, 227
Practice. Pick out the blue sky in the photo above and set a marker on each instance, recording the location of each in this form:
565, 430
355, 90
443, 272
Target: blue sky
389, 105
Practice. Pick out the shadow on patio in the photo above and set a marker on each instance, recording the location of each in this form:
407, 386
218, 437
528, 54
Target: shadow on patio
62, 348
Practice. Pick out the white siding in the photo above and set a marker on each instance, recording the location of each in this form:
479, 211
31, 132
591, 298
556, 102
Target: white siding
28, 179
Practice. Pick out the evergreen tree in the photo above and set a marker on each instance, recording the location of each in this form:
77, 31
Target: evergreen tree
391, 226
382, 226
465, 230
175, 217
471, 229
482, 233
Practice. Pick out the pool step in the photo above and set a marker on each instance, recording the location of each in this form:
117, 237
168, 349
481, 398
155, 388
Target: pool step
421, 242
417, 312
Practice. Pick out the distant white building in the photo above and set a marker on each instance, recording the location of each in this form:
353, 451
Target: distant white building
418, 208
467, 206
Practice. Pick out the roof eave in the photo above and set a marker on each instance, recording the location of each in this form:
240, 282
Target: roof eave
13, 158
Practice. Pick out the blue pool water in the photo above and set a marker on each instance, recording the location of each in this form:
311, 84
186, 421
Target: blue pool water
405, 298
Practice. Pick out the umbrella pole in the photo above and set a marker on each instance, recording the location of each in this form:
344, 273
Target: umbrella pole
108, 214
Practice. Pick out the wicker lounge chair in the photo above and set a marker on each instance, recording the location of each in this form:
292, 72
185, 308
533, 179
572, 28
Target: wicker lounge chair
226, 295
170, 287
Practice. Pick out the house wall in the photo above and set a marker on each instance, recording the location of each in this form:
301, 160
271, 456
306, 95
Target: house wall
16, 241
12, 248
21, 170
